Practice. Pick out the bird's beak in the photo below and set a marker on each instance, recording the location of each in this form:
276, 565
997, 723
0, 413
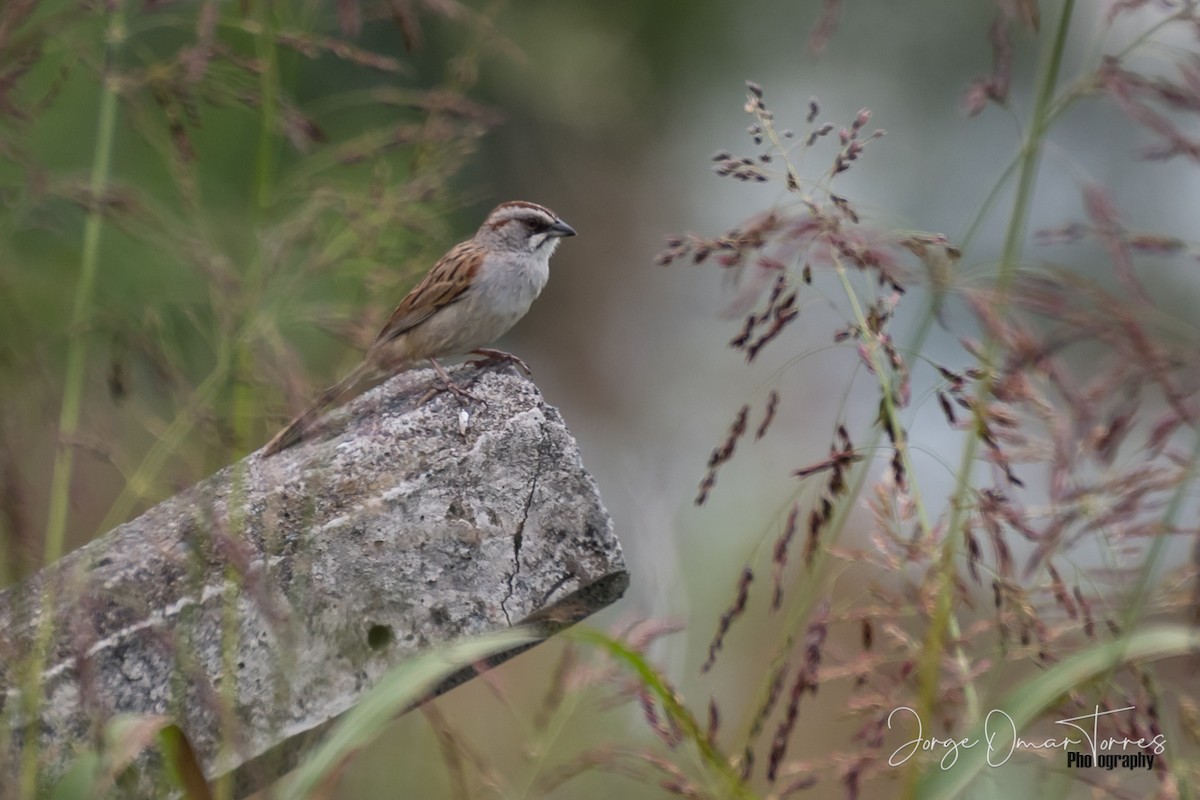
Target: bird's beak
561, 228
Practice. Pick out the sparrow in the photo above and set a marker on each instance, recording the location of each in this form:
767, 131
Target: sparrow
473, 295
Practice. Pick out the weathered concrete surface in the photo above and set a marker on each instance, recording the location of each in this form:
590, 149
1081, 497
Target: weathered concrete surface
302, 577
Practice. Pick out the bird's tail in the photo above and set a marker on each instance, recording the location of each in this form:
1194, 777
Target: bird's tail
363, 377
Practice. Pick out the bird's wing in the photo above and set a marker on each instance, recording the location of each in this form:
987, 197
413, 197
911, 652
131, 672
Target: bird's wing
445, 284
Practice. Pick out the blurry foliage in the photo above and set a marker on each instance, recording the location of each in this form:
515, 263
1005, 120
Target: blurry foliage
1076, 414
278, 173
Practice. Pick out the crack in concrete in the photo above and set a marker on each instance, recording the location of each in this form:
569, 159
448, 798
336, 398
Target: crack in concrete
558, 584
520, 534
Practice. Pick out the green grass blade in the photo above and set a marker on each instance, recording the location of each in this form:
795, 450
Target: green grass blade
399, 689
1033, 697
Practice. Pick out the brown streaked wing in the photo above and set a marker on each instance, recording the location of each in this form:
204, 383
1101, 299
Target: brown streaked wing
444, 284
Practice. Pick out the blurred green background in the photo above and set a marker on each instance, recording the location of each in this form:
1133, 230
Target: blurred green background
240, 270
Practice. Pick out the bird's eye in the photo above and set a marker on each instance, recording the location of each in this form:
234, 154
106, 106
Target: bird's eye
537, 225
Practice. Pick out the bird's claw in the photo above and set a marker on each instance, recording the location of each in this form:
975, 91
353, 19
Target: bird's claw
490, 356
446, 384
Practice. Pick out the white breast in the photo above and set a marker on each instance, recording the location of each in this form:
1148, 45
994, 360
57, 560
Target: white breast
509, 285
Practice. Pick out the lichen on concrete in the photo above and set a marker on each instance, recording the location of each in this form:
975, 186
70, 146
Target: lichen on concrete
395, 527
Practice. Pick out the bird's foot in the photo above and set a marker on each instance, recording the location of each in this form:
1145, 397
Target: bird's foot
491, 357
446, 384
